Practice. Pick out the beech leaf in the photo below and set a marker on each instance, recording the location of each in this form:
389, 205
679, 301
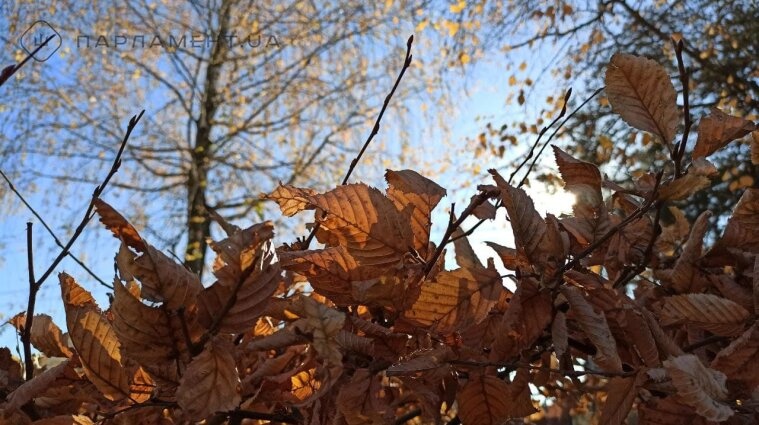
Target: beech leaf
95, 341
699, 387
718, 129
210, 384
640, 90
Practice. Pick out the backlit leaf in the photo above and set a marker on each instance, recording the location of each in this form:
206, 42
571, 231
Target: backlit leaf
640, 90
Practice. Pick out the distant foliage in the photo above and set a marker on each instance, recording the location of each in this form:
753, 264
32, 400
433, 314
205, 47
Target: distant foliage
614, 316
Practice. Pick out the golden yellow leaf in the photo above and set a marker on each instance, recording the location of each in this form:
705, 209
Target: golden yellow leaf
210, 384
95, 341
640, 90
291, 199
718, 129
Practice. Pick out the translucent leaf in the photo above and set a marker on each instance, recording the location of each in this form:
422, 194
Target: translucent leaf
95, 341
323, 324
718, 129
119, 226
409, 188
365, 222
46, 336
455, 299
640, 90
706, 311
699, 387
526, 223
581, 179
210, 384
291, 199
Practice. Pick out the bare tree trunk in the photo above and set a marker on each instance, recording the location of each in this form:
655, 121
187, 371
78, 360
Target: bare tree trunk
198, 223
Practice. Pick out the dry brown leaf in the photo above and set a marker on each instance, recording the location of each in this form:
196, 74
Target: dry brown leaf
164, 280
581, 179
145, 332
323, 324
699, 387
683, 276
330, 271
739, 359
33, 388
46, 336
559, 334
291, 199
456, 299
715, 314
668, 411
365, 222
718, 129
210, 383
742, 229
408, 188
640, 90
488, 400
755, 147
422, 361
526, 223
620, 395
357, 402
683, 187
248, 276
465, 255
595, 327
119, 226
528, 314
95, 340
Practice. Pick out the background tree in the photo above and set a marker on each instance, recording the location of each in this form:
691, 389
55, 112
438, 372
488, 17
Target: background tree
250, 93
720, 44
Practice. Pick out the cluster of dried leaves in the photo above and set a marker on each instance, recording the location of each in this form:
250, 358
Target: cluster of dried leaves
615, 310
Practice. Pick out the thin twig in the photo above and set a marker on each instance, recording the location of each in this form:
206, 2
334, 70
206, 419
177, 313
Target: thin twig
411, 414
51, 233
375, 130
26, 333
455, 224
95, 195
540, 136
642, 210
8, 72
555, 131
684, 80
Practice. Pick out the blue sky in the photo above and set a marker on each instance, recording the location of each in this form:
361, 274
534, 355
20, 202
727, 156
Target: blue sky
482, 91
